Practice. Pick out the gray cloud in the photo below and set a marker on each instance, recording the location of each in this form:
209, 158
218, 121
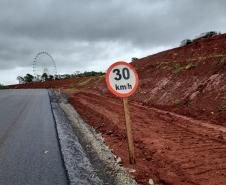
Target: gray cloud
89, 34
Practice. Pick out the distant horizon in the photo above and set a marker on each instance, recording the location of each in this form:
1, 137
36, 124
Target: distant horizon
72, 72
98, 33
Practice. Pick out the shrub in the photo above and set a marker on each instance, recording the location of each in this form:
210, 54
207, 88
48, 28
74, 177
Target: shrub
2, 87
134, 59
185, 42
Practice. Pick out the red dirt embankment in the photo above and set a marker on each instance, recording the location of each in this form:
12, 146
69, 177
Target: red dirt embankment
178, 113
189, 80
171, 149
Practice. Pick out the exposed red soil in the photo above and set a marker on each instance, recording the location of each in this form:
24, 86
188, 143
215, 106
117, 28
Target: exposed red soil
56, 84
170, 148
198, 91
178, 113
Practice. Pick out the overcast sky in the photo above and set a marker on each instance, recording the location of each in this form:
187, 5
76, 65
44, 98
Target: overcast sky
92, 34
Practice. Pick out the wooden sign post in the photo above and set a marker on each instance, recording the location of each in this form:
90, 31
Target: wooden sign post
122, 80
129, 131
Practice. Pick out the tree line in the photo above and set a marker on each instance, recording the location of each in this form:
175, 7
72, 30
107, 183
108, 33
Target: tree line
28, 78
2, 87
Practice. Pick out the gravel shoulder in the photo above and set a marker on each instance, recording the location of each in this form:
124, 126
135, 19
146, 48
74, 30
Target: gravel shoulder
87, 158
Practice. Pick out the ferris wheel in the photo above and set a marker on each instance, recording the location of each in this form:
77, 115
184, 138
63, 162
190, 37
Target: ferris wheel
44, 63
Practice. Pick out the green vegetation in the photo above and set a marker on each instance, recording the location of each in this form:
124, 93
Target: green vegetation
28, 78
223, 107
134, 59
177, 102
86, 73
2, 87
223, 61
190, 65
185, 42
177, 68
209, 34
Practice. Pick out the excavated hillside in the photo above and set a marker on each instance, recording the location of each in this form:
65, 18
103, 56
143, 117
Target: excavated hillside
189, 80
178, 114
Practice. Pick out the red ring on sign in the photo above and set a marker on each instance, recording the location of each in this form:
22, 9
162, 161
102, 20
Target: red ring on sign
108, 82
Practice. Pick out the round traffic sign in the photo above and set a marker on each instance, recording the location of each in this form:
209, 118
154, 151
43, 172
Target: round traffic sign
122, 79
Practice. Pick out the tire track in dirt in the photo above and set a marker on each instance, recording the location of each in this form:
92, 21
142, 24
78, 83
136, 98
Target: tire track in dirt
171, 149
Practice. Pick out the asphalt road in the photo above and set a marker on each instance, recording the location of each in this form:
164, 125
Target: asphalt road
29, 148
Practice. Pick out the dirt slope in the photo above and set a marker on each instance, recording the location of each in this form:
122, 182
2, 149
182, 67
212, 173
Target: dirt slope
179, 113
190, 80
171, 149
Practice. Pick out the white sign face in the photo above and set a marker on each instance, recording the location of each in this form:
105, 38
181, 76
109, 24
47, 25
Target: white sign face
122, 79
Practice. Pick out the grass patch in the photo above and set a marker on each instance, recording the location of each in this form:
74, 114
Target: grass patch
223, 61
177, 68
176, 102
190, 65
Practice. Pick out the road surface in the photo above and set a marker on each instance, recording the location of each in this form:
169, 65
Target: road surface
29, 148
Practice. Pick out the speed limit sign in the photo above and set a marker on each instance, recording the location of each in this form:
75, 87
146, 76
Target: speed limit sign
122, 79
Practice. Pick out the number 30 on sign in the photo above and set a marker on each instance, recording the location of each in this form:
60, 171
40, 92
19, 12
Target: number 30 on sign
122, 79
